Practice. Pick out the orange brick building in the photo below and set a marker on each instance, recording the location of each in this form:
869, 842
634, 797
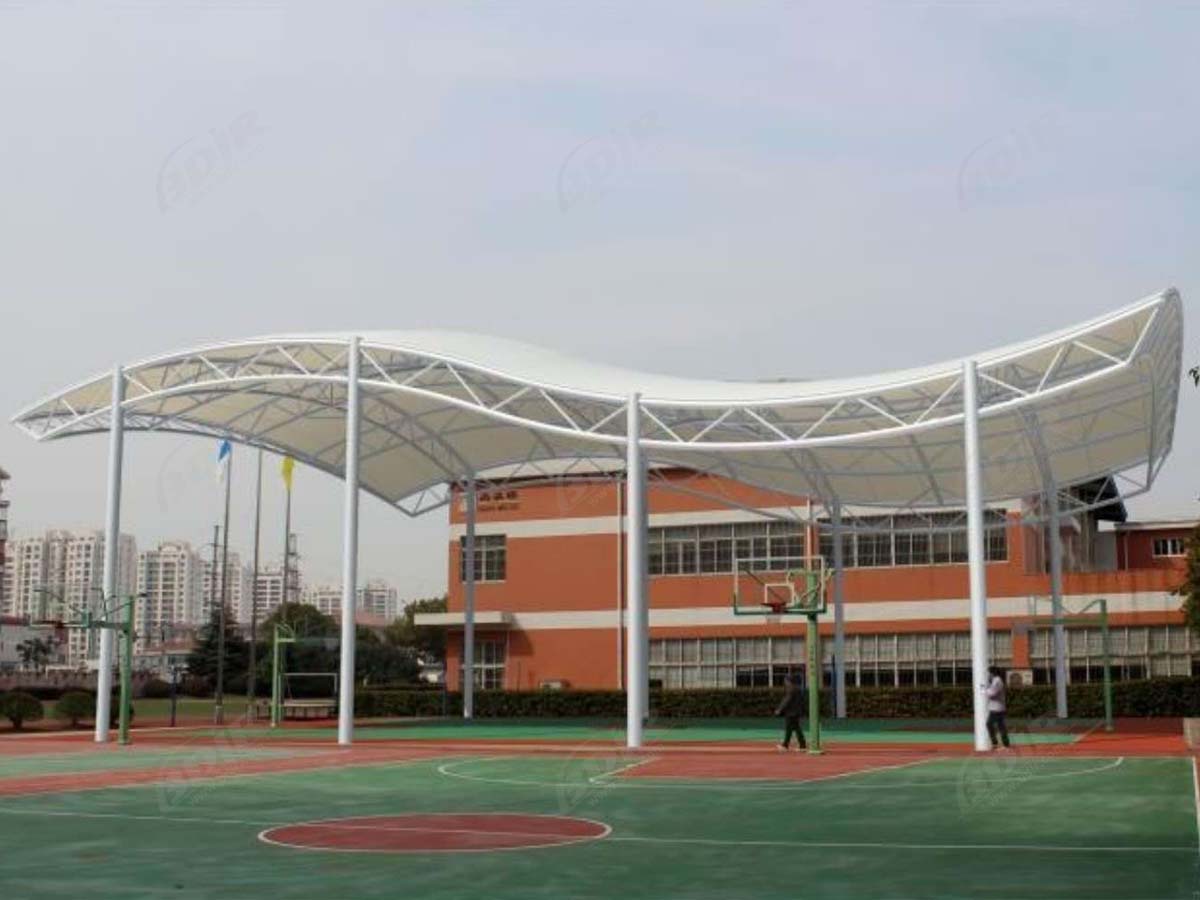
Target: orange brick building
550, 590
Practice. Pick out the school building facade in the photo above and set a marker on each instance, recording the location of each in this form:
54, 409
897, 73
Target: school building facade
550, 590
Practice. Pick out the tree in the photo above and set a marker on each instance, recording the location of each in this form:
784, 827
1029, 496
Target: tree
19, 707
426, 642
202, 661
35, 653
303, 618
1190, 589
74, 706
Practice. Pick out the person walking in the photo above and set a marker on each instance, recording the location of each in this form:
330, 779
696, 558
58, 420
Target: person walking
997, 708
791, 708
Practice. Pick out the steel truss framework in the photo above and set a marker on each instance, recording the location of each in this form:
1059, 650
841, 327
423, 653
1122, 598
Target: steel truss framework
408, 416
1092, 401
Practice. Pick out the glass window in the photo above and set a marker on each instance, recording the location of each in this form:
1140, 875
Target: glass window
874, 548
1168, 546
716, 548
490, 557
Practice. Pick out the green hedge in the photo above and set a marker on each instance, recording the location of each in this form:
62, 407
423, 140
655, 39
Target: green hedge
1157, 697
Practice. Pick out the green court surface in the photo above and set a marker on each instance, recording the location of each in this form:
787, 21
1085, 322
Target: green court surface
867, 731
948, 827
116, 759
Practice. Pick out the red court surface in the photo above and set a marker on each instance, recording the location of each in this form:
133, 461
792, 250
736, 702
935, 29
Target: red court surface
437, 832
773, 766
699, 760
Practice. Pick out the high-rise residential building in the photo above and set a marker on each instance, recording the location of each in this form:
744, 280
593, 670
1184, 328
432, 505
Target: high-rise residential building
171, 579
4, 577
59, 573
376, 598
269, 592
379, 598
325, 597
237, 587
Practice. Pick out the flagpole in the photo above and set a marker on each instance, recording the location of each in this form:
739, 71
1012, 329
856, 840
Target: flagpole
250, 674
219, 703
287, 539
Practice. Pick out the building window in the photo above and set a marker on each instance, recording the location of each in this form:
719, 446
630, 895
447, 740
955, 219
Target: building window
871, 659
489, 665
1169, 546
711, 549
914, 540
490, 557
1135, 652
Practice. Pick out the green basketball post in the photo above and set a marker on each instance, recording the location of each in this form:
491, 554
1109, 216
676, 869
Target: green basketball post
275, 679
1108, 701
284, 634
1082, 616
126, 674
814, 685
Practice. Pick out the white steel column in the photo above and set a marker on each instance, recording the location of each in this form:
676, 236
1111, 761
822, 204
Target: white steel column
112, 537
349, 549
468, 652
636, 681
839, 614
975, 555
1056, 604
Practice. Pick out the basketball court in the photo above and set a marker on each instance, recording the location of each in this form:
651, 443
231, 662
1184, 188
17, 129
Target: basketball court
514, 809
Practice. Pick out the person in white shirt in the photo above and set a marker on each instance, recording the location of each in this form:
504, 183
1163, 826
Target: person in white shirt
997, 708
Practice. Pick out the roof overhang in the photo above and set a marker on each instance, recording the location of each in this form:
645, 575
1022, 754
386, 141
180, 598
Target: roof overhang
1093, 401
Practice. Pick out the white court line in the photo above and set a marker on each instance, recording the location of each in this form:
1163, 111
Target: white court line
447, 769
576, 839
880, 845
1196, 795
595, 779
173, 777
714, 842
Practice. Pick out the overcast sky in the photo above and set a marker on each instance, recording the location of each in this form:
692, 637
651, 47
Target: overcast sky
721, 190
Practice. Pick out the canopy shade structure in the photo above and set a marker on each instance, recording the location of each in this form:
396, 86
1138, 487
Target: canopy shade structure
403, 415
1091, 401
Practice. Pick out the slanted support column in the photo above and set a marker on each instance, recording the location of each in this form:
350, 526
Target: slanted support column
112, 537
468, 651
975, 556
637, 633
839, 613
349, 549
1056, 604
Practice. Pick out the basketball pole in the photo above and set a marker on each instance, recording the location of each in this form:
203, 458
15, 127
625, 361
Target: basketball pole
1056, 602
349, 548
635, 577
975, 560
839, 614
814, 684
112, 529
126, 671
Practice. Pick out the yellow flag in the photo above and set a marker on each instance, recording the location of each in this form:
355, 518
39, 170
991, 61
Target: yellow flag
288, 465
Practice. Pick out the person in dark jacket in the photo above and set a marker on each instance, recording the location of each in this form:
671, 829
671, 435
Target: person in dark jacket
795, 701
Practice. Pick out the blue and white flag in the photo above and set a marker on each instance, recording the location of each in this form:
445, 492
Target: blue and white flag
224, 456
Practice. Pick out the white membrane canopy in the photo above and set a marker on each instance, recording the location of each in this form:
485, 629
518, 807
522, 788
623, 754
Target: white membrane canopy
1092, 401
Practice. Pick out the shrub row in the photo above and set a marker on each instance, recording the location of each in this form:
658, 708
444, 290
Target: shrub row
1157, 697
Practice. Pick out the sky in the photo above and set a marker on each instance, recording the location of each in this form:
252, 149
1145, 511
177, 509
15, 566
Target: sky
741, 190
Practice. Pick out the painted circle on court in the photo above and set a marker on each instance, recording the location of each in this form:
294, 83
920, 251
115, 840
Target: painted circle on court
436, 833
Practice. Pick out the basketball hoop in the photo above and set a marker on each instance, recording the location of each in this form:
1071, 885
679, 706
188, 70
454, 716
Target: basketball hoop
792, 586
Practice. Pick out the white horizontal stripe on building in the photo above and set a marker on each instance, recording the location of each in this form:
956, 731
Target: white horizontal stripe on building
879, 613
533, 528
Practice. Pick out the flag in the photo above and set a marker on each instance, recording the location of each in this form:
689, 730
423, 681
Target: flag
288, 465
224, 456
